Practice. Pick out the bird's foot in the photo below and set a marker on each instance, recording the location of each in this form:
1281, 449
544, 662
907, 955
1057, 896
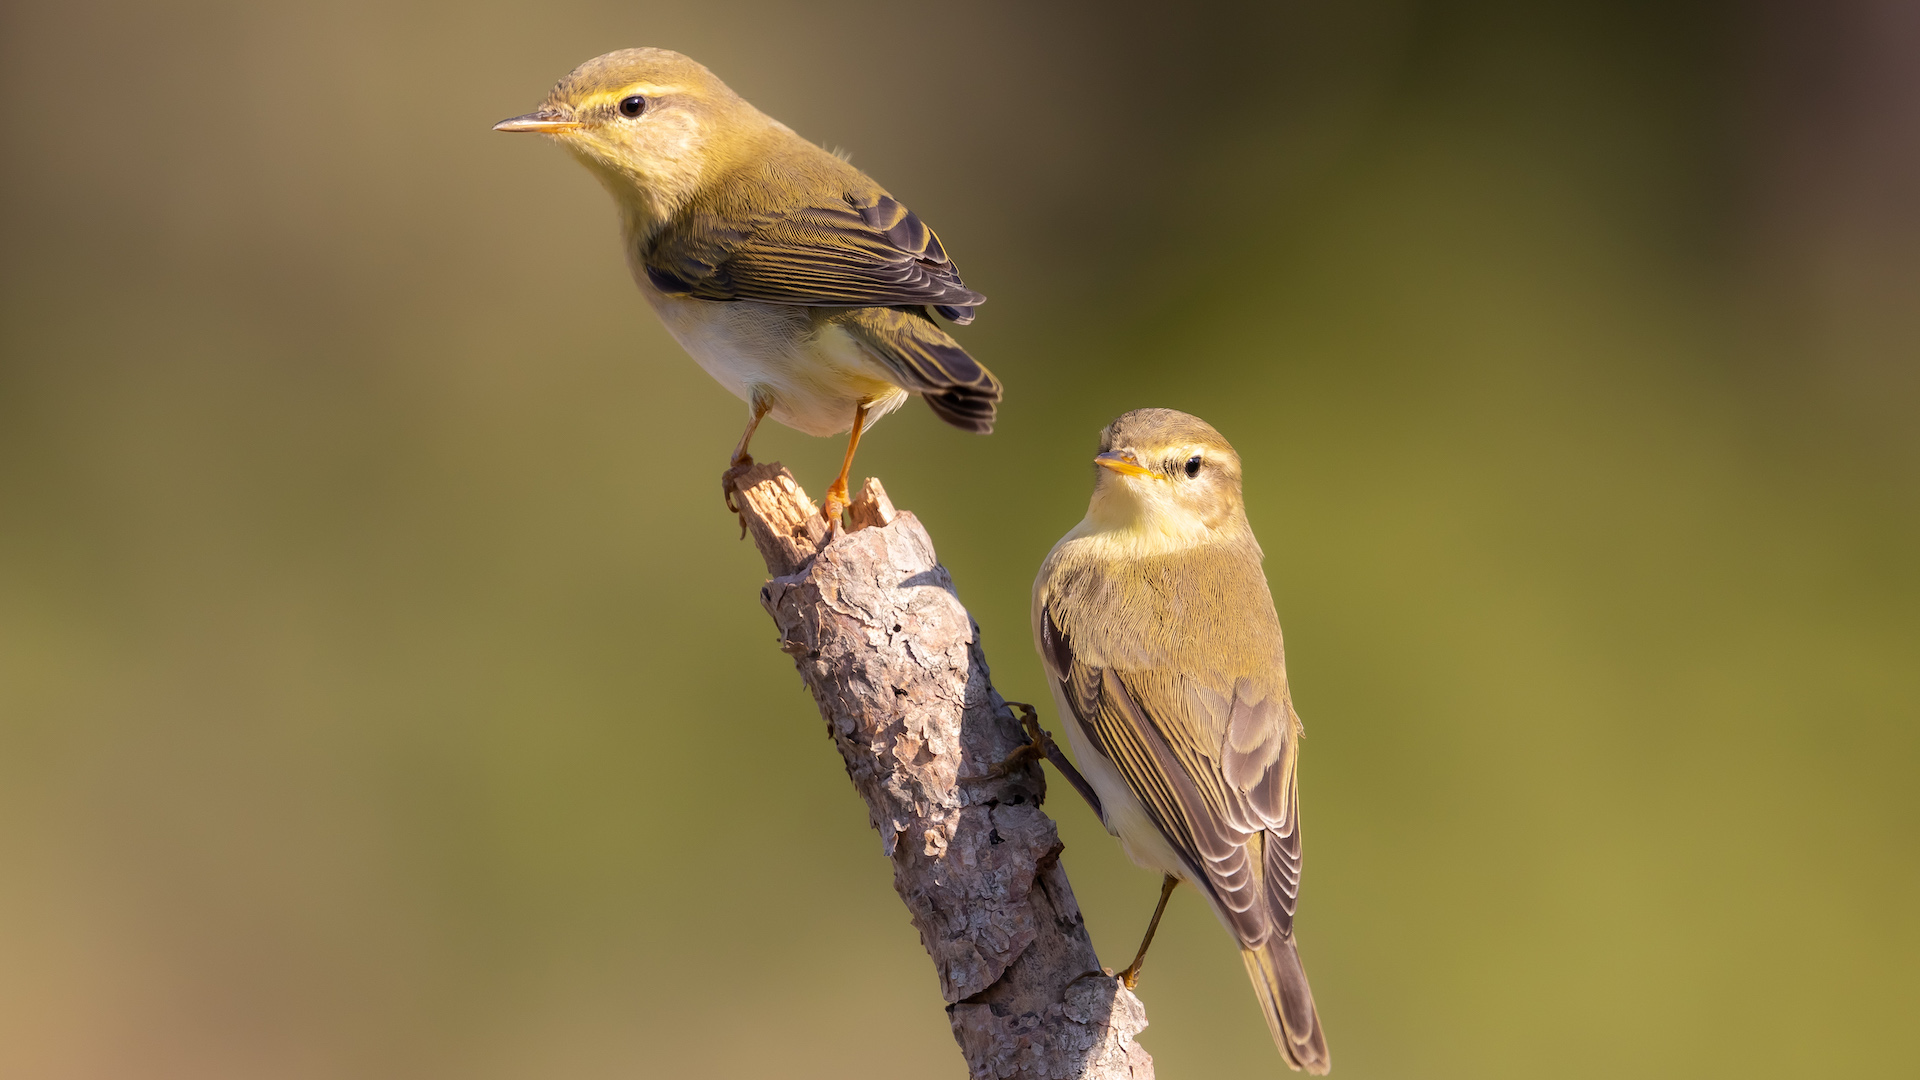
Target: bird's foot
835, 505
1039, 744
730, 479
1021, 755
730, 486
1130, 977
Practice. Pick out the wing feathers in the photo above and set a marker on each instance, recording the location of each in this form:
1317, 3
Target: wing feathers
1282, 864
1228, 807
1256, 735
844, 251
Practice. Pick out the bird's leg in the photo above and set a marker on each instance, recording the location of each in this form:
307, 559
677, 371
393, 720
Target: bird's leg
1041, 745
757, 410
837, 497
1132, 974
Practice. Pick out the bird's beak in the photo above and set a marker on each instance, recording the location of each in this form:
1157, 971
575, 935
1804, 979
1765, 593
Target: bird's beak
546, 120
1122, 462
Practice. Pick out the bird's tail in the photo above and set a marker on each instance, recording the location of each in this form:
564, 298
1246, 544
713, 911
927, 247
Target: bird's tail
1287, 1001
926, 360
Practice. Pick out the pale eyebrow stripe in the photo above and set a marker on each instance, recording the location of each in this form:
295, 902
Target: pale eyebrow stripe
644, 89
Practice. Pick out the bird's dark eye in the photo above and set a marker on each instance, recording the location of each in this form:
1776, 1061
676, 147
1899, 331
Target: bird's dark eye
633, 106
1193, 466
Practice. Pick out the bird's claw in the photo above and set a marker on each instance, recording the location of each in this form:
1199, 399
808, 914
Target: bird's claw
1039, 744
1038, 739
730, 486
1022, 755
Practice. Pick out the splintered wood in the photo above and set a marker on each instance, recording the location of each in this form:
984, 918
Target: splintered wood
894, 662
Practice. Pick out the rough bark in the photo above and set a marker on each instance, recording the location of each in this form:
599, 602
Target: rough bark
894, 663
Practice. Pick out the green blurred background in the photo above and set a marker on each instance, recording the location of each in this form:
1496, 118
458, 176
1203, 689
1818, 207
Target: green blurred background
383, 692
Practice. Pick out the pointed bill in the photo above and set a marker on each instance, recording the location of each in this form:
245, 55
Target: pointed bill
1122, 462
543, 121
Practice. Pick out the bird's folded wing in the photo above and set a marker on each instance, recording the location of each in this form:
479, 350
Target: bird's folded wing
1214, 770
854, 250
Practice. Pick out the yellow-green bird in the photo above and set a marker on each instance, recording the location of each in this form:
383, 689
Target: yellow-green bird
1157, 630
788, 274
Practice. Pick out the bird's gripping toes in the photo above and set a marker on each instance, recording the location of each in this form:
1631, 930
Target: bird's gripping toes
789, 275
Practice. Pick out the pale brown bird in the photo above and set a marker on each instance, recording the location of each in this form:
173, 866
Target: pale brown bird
789, 275
1157, 630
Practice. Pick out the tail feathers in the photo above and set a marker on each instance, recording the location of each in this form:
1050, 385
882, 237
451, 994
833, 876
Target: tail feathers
927, 361
1287, 1001
964, 408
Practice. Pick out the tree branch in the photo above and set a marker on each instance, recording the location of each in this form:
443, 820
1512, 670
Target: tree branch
895, 665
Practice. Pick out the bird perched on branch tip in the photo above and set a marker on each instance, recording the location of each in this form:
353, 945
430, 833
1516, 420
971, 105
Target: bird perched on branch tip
792, 277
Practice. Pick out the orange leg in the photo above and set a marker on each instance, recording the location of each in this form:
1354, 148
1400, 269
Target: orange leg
1132, 974
837, 497
741, 459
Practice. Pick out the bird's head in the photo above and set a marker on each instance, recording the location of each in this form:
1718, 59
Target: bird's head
650, 123
1166, 480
